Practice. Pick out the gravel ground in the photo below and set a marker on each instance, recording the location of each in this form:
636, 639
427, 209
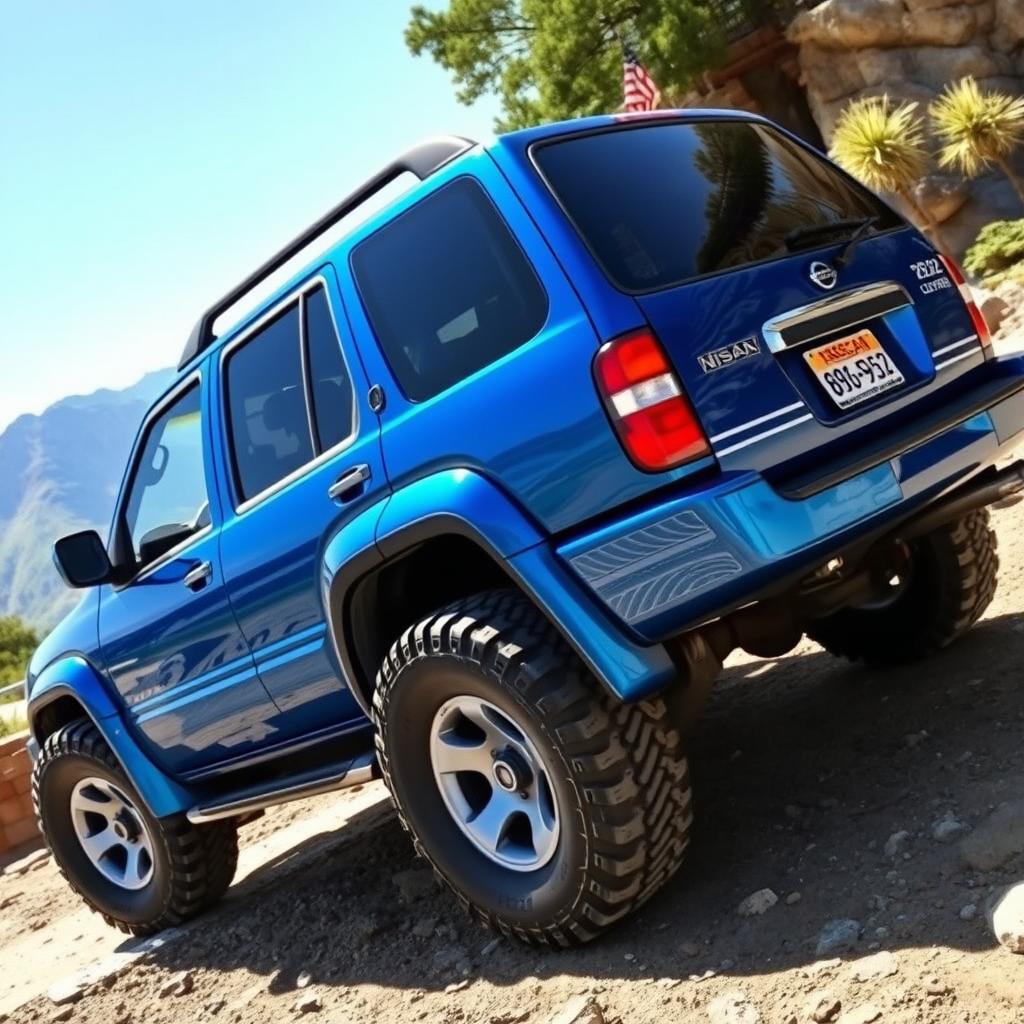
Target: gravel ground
859, 799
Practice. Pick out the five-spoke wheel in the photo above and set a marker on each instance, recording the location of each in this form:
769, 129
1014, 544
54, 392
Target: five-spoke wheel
494, 782
113, 834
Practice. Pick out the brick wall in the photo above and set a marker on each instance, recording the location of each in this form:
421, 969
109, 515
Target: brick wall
17, 819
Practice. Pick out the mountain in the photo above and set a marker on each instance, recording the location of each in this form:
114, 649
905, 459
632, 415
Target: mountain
60, 472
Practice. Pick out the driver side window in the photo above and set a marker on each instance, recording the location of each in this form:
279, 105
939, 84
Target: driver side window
167, 502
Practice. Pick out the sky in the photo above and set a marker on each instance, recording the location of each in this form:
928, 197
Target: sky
151, 155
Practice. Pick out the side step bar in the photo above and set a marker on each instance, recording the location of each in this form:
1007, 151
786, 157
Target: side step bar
312, 783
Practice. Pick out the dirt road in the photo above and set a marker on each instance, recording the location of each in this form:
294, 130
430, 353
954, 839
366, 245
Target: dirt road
849, 794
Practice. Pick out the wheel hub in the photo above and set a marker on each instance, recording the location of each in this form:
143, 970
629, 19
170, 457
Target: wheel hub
495, 783
511, 771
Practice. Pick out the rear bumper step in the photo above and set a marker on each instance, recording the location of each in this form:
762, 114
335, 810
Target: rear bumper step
314, 783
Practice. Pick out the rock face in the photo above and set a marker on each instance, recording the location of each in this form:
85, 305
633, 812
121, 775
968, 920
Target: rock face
910, 50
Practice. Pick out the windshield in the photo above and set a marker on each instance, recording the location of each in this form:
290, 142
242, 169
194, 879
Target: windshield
667, 203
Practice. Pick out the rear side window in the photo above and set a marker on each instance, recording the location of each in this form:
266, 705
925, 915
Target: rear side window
270, 434
664, 204
329, 381
447, 289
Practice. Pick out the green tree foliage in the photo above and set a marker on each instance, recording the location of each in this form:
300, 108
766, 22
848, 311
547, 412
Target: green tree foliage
553, 59
17, 642
998, 248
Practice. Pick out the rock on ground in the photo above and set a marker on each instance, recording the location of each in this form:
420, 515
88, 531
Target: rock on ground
733, 1008
880, 965
757, 903
1006, 916
998, 838
840, 935
579, 1010
823, 1007
866, 1014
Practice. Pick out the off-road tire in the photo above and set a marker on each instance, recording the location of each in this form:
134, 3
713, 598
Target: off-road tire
952, 582
622, 781
193, 864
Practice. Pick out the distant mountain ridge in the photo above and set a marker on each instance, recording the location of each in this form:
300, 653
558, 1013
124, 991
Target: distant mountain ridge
60, 472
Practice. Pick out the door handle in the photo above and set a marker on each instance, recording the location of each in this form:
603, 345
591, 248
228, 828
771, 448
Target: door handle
349, 481
198, 576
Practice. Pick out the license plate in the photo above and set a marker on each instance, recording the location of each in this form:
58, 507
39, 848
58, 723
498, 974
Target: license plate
854, 369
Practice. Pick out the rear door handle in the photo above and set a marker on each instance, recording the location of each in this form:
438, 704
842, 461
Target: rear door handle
349, 484
198, 576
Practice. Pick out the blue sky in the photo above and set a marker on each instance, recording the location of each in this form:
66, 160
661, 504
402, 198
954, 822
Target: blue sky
151, 155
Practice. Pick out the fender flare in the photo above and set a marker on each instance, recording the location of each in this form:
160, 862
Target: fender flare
75, 678
464, 503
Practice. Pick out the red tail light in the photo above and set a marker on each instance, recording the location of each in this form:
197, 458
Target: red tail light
977, 318
646, 404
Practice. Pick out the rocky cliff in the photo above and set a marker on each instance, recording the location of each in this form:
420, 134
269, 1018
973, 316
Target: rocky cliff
910, 50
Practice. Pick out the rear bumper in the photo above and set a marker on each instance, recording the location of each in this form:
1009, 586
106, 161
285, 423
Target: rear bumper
696, 555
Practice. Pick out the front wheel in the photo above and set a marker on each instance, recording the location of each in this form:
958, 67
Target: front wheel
141, 873
947, 581
547, 807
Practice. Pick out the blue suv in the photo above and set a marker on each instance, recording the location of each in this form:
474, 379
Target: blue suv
480, 500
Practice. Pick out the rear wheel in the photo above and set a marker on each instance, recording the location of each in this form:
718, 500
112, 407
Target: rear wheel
548, 808
143, 874
947, 582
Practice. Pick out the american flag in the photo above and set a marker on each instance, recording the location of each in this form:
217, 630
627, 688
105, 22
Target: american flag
640, 91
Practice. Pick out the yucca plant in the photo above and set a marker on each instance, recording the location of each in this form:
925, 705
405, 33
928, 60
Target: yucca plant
978, 129
884, 146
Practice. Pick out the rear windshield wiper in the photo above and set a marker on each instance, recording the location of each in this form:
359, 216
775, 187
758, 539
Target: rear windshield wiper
860, 226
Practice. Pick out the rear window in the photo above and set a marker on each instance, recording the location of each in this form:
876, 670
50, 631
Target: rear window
447, 289
667, 203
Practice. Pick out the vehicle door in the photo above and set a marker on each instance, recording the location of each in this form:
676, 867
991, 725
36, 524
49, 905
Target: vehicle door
302, 453
170, 640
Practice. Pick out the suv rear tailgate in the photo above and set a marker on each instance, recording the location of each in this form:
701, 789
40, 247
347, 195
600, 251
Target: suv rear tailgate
704, 223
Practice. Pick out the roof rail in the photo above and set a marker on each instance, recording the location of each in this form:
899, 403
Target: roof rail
422, 160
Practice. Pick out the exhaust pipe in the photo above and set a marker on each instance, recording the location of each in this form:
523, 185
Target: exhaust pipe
973, 495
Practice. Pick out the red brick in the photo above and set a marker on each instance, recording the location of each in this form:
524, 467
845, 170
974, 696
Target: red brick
13, 744
8, 789
23, 783
23, 832
11, 811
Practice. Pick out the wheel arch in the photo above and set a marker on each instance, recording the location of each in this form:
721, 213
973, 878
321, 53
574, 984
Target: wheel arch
71, 689
447, 536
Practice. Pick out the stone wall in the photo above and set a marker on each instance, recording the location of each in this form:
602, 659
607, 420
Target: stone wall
909, 50
18, 826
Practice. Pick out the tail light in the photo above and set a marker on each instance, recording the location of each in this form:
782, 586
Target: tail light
645, 401
977, 317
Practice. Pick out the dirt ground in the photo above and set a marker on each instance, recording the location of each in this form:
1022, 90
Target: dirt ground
806, 771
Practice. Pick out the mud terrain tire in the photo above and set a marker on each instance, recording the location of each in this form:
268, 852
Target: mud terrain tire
619, 778
952, 582
193, 865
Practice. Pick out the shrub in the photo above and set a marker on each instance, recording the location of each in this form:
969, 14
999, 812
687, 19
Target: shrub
884, 146
998, 247
10, 726
978, 129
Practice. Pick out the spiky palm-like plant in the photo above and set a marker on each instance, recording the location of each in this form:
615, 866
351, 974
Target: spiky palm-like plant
978, 129
884, 146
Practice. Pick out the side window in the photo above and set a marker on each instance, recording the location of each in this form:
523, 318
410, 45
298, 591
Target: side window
447, 289
167, 501
268, 423
330, 385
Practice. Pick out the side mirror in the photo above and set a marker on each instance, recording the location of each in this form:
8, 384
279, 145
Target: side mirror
82, 560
